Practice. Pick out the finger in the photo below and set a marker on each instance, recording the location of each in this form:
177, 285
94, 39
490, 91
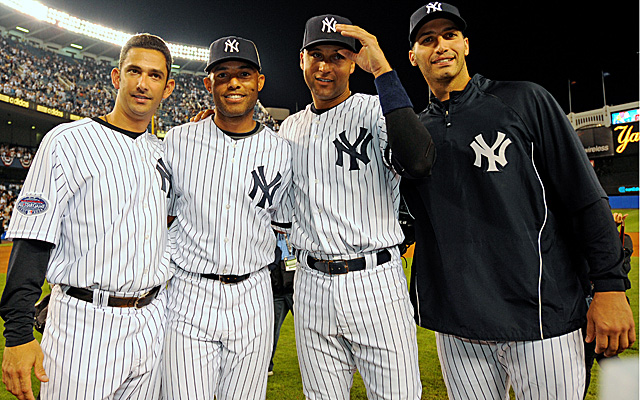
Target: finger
602, 344
590, 332
39, 371
25, 388
348, 54
623, 343
632, 336
612, 346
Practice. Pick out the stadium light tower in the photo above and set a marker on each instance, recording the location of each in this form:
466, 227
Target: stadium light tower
68, 22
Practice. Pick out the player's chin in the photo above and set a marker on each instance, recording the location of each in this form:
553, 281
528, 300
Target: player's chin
234, 111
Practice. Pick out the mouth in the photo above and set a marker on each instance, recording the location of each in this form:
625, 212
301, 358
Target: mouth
324, 80
141, 98
443, 61
234, 97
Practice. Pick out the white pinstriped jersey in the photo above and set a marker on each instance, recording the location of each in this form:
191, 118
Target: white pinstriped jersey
346, 197
226, 192
100, 197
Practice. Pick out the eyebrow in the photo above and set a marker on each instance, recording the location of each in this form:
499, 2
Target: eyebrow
153, 70
433, 32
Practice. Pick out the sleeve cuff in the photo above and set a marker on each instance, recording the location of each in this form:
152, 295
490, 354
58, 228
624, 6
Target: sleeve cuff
391, 92
609, 285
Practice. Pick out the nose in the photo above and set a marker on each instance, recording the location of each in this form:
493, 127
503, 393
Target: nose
440, 45
142, 82
323, 66
234, 82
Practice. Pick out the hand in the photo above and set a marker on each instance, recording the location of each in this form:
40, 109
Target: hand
17, 362
370, 57
202, 115
619, 218
610, 323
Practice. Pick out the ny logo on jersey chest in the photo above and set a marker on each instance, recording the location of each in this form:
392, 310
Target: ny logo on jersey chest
344, 146
268, 189
164, 175
482, 149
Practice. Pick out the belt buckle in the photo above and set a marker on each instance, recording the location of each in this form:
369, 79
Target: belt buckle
135, 303
344, 266
224, 280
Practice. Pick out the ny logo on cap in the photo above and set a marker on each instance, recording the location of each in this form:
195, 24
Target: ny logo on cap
231, 46
433, 7
329, 24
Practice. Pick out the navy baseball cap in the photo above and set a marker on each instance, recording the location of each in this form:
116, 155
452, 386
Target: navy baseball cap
431, 11
322, 30
231, 48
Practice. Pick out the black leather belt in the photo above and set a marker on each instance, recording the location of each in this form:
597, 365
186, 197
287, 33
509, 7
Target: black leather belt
226, 278
137, 302
337, 267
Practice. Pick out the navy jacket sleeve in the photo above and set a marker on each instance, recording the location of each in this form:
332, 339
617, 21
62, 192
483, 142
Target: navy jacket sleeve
566, 172
25, 276
412, 149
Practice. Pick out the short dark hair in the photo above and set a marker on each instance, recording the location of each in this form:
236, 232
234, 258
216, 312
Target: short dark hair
147, 41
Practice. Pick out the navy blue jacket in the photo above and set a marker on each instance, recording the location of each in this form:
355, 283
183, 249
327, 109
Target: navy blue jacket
500, 223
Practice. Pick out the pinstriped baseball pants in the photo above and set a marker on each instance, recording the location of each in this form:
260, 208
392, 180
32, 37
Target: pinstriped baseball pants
360, 320
551, 368
94, 352
219, 338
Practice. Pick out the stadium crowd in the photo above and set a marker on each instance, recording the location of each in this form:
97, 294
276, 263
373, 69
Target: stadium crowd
8, 195
78, 86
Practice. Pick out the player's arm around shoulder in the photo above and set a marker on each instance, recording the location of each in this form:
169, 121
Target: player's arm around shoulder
17, 363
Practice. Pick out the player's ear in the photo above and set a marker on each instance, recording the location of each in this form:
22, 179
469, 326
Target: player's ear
466, 46
115, 78
261, 79
302, 60
168, 88
207, 83
412, 58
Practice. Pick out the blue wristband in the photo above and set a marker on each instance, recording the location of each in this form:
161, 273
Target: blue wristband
391, 92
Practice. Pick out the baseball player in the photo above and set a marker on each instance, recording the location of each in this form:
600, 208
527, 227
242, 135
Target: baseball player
511, 212
92, 216
230, 174
350, 294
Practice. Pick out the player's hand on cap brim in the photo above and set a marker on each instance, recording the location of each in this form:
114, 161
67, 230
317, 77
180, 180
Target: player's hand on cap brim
17, 362
370, 57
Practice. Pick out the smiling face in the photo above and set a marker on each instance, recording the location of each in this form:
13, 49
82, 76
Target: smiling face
326, 73
234, 86
439, 51
142, 84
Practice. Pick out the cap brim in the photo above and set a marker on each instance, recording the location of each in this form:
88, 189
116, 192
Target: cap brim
213, 64
327, 41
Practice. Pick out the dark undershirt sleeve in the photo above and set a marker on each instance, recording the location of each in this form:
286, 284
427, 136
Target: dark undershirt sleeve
602, 247
25, 276
412, 152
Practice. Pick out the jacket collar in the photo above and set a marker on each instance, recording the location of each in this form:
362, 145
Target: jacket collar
475, 84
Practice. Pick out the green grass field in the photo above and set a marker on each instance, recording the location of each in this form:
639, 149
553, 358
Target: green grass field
286, 383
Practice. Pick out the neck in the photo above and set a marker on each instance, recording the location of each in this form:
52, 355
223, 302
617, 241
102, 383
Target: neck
242, 124
442, 89
321, 104
123, 121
